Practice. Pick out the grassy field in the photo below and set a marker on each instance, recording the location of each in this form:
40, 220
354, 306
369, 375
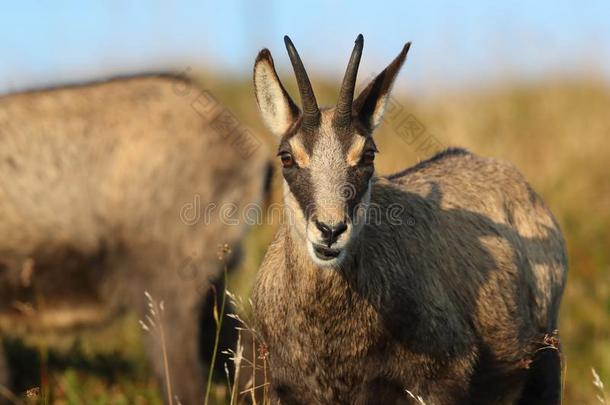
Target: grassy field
556, 133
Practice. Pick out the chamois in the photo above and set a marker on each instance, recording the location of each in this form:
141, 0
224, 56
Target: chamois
444, 279
103, 191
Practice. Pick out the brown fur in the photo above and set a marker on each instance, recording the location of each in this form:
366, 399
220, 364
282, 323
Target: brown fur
449, 288
92, 182
451, 304
4, 378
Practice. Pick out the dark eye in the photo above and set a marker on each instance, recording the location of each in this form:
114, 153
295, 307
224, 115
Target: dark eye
368, 157
287, 160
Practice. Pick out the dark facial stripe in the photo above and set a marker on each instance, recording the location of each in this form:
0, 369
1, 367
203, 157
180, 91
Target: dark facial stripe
358, 177
347, 135
300, 185
310, 136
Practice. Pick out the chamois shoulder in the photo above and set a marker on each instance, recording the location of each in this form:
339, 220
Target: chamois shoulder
456, 166
453, 152
466, 184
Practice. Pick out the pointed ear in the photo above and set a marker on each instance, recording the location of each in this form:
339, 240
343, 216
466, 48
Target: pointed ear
371, 103
277, 108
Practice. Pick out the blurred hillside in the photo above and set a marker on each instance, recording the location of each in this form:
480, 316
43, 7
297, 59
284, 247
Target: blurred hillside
555, 132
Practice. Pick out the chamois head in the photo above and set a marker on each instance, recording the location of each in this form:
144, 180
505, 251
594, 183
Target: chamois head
327, 154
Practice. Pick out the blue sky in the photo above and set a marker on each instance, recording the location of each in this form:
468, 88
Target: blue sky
454, 44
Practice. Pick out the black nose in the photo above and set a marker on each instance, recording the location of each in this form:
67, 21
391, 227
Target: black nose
331, 233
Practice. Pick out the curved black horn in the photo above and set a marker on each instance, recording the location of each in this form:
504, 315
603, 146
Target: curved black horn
343, 112
311, 112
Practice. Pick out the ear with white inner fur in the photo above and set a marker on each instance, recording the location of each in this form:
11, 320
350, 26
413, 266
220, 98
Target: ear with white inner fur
371, 103
277, 108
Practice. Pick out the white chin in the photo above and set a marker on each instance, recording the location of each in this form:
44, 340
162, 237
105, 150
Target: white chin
325, 257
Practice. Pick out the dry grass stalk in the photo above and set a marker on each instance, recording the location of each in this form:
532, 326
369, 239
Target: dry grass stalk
597, 382
9, 396
153, 324
417, 398
261, 353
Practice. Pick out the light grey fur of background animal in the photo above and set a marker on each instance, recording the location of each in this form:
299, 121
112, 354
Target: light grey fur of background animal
92, 182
